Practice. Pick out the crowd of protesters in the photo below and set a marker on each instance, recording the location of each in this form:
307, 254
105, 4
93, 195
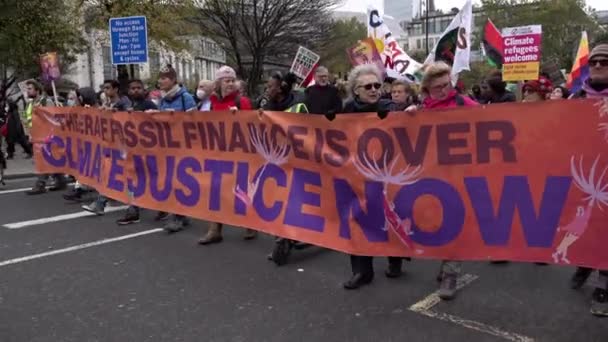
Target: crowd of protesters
366, 90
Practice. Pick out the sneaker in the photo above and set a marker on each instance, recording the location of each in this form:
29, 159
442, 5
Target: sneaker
447, 288
97, 208
281, 251
38, 189
161, 216
130, 218
580, 277
599, 303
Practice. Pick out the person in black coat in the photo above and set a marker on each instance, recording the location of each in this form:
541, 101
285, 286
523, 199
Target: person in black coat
364, 85
15, 133
322, 97
494, 90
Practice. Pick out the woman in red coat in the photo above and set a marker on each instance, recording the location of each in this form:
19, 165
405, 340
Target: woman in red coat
226, 97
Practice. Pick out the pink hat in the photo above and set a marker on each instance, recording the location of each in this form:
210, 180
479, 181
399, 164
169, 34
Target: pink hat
225, 72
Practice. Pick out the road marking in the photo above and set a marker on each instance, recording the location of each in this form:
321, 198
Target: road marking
45, 220
424, 307
78, 247
477, 326
433, 299
12, 191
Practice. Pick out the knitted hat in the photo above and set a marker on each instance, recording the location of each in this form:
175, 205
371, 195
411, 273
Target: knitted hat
599, 50
543, 86
225, 72
168, 72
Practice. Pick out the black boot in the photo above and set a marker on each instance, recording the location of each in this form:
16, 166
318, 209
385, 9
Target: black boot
358, 280
74, 195
39, 188
281, 251
580, 277
60, 183
394, 268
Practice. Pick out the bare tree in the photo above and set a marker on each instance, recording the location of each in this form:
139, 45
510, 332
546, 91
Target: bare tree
252, 30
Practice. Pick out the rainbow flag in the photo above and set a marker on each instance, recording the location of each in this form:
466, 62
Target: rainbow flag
580, 68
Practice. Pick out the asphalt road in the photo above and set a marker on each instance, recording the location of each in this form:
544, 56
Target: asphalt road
86, 279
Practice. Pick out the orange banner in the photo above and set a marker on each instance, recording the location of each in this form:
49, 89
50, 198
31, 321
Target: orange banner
524, 182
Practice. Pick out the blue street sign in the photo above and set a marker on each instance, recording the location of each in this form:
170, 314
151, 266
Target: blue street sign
129, 37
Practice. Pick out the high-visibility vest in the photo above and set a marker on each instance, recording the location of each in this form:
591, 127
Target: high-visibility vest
27, 115
297, 108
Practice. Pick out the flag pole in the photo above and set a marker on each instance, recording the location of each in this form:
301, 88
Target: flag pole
426, 24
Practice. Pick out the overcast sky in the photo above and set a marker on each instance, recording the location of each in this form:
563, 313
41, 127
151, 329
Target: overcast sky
361, 5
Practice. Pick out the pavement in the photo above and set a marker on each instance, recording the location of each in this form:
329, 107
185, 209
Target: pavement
19, 167
67, 276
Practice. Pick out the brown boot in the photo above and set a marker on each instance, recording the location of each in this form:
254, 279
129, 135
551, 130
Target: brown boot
250, 234
214, 234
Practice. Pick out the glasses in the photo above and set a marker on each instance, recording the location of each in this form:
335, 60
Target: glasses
440, 86
601, 62
369, 86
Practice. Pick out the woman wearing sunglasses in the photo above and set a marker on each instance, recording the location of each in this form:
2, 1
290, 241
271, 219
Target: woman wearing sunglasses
364, 83
595, 87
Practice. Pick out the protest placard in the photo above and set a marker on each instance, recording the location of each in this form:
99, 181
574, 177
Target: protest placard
365, 52
304, 62
521, 53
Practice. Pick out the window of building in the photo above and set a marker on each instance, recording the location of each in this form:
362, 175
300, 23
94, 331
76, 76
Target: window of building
109, 70
418, 44
209, 70
154, 62
437, 25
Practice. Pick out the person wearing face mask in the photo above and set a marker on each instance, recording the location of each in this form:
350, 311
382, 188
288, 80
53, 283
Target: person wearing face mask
322, 97
595, 87
87, 98
72, 99
203, 94
226, 97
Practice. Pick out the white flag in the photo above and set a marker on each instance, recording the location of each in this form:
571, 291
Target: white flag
398, 63
454, 46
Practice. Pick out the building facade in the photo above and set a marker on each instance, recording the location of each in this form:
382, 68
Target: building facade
95, 65
437, 23
400, 10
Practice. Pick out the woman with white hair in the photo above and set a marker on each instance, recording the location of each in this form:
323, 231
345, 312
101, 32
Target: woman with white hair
364, 83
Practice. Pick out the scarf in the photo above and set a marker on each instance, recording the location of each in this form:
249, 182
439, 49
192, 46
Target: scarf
169, 95
595, 90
